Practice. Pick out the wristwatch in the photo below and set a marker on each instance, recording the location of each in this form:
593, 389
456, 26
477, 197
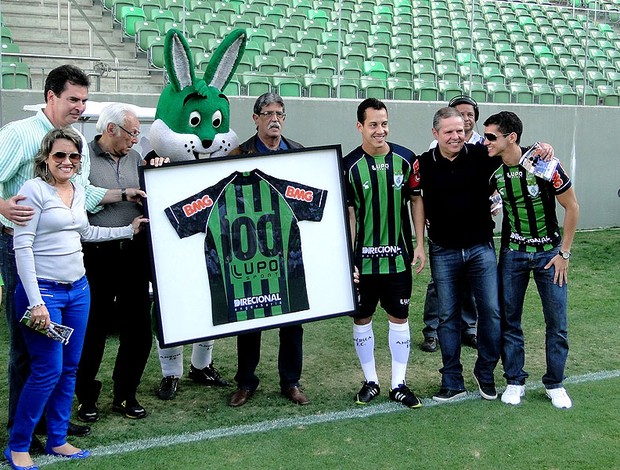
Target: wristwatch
564, 254
124, 195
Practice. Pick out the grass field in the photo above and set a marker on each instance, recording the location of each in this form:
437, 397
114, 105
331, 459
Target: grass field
198, 429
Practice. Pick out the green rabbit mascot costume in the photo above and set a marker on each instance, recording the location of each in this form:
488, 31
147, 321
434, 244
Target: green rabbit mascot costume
193, 116
192, 121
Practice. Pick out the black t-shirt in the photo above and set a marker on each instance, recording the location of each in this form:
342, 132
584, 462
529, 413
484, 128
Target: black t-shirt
456, 196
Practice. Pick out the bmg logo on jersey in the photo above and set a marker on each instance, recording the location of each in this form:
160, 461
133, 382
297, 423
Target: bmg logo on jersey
198, 205
299, 194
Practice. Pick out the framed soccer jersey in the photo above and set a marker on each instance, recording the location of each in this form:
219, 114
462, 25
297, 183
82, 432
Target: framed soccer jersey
247, 243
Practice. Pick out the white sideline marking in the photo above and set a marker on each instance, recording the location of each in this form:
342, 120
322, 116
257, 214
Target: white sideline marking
283, 423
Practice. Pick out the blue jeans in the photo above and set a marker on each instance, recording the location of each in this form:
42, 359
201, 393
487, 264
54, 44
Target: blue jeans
452, 269
469, 315
19, 360
52, 365
514, 271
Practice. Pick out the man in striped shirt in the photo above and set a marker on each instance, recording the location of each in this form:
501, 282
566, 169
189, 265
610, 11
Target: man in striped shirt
66, 93
531, 243
376, 177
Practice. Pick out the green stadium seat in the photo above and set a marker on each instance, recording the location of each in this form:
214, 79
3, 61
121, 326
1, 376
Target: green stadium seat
129, 17
255, 84
328, 52
378, 55
576, 77
204, 32
275, 49
233, 88
267, 65
161, 17
375, 69
535, 74
608, 95
317, 87
586, 95
345, 88
493, 74
245, 65
16, 75
543, 93
373, 87
515, 74
239, 21
322, 67
298, 66
144, 31
6, 34
521, 93
350, 69
498, 92
448, 89
199, 6
155, 53
565, 94
10, 48
286, 84
117, 10
402, 71
304, 51
258, 35
425, 90
475, 90
201, 61
400, 89
311, 38
447, 71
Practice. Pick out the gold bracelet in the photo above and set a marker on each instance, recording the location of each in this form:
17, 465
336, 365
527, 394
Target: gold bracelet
35, 306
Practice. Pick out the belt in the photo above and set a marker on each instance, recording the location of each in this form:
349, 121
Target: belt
7, 230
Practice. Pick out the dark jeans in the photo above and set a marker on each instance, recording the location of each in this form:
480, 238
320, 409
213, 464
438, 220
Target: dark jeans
515, 268
452, 269
118, 272
290, 357
19, 359
469, 314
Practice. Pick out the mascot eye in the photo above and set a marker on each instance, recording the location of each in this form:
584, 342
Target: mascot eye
216, 120
194, 119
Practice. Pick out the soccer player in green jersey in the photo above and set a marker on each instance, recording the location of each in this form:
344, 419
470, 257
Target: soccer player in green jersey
531, 244
376, 175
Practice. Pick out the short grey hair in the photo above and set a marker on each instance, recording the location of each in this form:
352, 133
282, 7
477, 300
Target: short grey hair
266, 99
444, 113
115, 113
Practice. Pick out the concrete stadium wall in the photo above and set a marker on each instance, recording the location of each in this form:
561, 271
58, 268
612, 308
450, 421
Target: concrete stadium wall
583, 136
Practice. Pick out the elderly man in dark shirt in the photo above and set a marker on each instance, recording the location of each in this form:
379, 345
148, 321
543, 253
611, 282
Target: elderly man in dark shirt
118, 272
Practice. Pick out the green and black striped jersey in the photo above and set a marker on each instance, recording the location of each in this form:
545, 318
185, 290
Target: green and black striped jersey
377, 191
253, 243
530, 223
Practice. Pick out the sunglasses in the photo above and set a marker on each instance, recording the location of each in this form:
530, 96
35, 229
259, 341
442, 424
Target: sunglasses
60, 157
492, 137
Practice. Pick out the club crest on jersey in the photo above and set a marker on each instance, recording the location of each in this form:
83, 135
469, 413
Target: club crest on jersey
533, 189
299, 194
398, 181
366, 185
198, 205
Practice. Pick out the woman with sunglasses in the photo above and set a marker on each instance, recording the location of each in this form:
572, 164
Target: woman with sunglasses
53, 287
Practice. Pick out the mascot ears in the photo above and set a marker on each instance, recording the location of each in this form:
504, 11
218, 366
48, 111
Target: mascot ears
180, 63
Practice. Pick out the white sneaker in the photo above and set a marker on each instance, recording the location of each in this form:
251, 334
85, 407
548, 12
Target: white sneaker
559, 397
513, 393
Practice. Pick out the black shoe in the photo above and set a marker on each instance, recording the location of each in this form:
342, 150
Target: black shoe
487, 390
88, 413
368, 391
207, 376
445, 394
405, 396
130, 409
429, 344
470, 340
168, 387
78, 430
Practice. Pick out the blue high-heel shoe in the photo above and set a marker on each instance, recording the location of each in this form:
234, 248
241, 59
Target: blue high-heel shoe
9, 458
80, 454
